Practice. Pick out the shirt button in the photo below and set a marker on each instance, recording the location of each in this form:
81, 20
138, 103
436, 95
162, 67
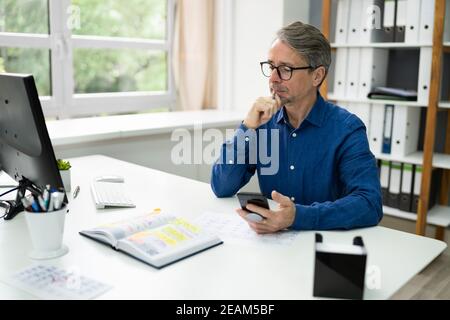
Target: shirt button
294, 135
246, 139
292, 167
292, 199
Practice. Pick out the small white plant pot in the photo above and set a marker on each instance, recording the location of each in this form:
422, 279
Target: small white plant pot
65, 176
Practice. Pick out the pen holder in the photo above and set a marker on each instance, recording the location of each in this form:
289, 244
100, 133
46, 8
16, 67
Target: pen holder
46, 231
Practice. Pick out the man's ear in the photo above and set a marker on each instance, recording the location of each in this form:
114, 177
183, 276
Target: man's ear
319, 76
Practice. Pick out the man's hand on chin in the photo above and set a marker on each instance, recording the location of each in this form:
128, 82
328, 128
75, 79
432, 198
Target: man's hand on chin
274, 220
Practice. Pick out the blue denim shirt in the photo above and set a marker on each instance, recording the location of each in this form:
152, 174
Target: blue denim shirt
325, 166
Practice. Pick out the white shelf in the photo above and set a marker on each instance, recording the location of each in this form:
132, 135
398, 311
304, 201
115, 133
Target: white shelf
438, 215
444, 104
447, 44
386, 45
413, 158
440, 160
331, 96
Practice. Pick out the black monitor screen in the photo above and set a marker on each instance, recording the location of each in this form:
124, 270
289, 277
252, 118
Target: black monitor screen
26, 152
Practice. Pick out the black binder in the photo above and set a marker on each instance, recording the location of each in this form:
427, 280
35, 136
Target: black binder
339, 273
436, 176
407, 189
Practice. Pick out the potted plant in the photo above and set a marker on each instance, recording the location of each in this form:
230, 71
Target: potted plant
64, 170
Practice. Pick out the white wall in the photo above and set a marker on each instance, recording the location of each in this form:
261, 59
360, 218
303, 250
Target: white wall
246, 30
255, 25
296, 10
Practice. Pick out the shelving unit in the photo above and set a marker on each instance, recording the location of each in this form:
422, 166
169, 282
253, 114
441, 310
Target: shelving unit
440, 161
439, 215
388, 45
331, 96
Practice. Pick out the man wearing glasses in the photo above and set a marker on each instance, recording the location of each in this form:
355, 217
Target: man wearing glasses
327, 177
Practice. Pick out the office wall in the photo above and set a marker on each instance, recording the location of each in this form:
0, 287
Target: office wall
296, 10
248, 29
255, 24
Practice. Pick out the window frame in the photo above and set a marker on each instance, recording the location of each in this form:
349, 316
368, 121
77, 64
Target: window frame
64, 102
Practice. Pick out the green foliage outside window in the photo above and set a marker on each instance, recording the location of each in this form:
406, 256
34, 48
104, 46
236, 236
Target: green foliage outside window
95, 70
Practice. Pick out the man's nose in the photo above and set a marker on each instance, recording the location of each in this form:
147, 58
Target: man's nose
274, 77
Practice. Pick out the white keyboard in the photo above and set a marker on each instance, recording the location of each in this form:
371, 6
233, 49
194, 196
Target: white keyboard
110, 194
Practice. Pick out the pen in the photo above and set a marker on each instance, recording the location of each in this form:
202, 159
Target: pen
34, 205
75, 193
46, 196
42, 203
57, 200
50, 203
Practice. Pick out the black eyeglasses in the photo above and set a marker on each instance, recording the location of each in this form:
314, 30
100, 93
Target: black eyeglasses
284, 72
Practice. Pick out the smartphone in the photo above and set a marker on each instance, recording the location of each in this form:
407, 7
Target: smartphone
253, 198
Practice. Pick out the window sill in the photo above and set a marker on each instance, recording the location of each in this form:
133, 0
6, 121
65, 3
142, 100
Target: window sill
75, 131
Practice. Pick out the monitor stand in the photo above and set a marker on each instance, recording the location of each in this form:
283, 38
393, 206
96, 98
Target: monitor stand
14, 207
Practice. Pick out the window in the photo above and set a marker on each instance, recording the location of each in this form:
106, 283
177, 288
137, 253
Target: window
91, 57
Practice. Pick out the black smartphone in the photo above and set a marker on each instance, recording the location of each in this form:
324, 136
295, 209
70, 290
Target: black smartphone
253, 198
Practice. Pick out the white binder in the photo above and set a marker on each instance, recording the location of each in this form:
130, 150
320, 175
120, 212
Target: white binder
376, 128
352, 81
426, 22
401, 13
389, 14
389, 21
423, 87
342, 17
400, 21
412, 21
340, 73
354, 23
447, 22
373, 70
405, 134
370, 19
349, 106
362, 111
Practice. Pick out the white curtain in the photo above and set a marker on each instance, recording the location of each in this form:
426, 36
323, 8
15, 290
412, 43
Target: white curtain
194, 56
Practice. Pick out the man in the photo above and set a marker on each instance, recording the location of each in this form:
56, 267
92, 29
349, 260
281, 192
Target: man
327, 177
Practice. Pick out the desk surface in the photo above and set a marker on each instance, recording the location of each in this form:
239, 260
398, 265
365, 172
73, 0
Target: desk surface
230, 271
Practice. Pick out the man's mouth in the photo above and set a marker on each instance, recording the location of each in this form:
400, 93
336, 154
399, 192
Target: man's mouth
279, 90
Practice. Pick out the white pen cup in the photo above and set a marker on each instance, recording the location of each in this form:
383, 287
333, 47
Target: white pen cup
46, 231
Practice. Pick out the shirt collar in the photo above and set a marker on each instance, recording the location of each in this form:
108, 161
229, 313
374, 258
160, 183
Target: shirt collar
315, 116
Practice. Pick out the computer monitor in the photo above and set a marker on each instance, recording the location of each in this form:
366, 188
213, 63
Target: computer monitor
26, 152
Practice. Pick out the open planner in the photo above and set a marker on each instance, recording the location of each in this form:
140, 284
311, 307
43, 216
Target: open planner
157, 239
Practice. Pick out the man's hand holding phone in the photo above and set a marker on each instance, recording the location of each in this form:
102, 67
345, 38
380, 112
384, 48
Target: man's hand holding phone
272, 220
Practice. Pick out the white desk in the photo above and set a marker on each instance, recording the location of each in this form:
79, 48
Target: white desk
229, 271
